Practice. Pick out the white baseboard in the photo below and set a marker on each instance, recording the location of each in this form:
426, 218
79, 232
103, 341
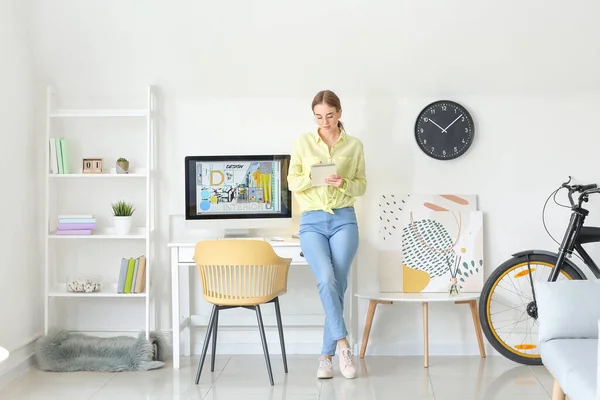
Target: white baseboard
246, 340
256, 348
19, 361
308, 341
315, 348
416, 349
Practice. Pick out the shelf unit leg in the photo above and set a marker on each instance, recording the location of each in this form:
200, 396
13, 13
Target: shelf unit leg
185, 310
175, 305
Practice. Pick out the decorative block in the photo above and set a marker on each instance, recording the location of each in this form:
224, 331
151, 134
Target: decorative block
92, 166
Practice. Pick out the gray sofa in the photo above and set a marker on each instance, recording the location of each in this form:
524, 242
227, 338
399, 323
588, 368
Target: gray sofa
568, 316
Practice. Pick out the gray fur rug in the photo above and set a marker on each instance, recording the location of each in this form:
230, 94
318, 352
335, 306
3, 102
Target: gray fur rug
63, 351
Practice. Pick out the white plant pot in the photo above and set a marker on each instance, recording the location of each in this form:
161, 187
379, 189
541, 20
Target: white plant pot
122, 225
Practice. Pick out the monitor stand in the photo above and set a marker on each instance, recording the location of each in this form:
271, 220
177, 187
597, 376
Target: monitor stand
240, 233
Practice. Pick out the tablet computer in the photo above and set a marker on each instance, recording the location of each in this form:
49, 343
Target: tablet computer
319, 172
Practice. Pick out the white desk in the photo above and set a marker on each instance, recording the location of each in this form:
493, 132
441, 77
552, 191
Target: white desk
425, 299
181, 256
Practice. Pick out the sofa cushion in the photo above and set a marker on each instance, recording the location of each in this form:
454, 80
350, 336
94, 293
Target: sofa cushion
573, 363
576, 318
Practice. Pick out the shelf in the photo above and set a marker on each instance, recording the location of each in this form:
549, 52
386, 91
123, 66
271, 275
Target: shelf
99, 176
65, 113
61, 291
107, 233
140, 179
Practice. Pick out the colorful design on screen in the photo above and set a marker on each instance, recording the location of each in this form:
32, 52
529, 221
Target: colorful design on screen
238, 187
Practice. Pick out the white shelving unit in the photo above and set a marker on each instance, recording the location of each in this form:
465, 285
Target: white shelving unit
54, 282
99, 176
98, 113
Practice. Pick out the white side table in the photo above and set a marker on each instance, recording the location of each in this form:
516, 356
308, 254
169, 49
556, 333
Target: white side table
3, 354
425, 299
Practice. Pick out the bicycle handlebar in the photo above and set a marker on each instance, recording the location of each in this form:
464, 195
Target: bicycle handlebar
580, 188
583, 189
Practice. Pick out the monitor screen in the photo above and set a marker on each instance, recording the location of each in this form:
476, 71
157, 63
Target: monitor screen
238, 186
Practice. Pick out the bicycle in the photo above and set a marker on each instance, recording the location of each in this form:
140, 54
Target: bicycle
502, 303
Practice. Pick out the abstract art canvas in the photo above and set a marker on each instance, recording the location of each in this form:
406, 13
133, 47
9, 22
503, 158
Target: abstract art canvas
438, 246
393, 208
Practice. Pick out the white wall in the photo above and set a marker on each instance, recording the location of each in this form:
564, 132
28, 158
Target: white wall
20, 271
239, 77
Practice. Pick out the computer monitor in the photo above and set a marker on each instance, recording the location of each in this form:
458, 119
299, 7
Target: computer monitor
237, 193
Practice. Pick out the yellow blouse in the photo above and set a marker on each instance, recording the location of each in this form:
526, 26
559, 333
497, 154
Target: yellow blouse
346, 153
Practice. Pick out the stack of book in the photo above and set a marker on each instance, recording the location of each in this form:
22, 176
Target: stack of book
59, 156
132, 275
76, 224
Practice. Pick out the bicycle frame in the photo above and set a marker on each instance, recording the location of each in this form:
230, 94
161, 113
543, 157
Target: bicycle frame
572, 241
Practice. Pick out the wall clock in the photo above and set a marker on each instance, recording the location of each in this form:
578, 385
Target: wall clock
444, 130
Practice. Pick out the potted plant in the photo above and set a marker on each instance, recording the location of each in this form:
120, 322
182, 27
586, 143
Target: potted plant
122, 166
122, 213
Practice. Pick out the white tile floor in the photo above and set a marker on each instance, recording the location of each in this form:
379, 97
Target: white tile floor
245, 377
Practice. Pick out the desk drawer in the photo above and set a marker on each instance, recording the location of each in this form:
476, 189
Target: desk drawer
186, 254
293, 252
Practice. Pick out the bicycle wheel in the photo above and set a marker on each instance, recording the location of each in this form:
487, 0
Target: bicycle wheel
507, 311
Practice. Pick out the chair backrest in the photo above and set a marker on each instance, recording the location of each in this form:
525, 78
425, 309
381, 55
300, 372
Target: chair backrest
240, 272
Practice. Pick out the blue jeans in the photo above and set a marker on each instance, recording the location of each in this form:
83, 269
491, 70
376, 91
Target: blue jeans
329, 243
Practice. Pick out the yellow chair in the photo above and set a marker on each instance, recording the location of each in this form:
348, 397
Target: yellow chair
241, 273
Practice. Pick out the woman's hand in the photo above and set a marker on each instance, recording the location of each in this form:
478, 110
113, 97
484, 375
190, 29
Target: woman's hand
335, 180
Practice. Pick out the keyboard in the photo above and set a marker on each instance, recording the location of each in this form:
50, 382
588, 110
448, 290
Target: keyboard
242, 238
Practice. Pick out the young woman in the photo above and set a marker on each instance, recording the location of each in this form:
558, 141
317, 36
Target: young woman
328, 227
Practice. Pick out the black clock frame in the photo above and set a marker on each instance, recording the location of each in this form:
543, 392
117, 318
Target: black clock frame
469, 121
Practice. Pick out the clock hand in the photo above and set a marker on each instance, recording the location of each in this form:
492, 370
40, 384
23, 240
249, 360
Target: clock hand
433, 122
446, 130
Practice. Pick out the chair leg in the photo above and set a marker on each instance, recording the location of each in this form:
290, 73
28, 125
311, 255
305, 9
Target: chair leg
280, 328
214, 340
209, 330
263, 338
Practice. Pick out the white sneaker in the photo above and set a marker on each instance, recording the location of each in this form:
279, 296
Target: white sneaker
325, 370
347, 366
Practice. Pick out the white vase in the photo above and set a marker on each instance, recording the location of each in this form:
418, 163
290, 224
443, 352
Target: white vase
122, 225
